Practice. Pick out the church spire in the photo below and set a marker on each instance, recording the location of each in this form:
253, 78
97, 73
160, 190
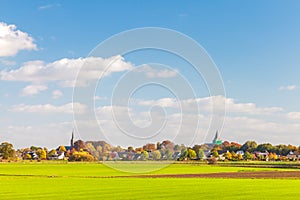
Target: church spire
72, 140
217, 139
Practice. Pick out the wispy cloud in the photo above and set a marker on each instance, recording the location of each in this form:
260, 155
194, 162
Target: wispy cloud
183, 15
56, 94
48, 6
156, 73
48, 108
7, 62
288, 87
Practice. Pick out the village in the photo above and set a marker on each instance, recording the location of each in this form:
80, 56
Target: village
212, 152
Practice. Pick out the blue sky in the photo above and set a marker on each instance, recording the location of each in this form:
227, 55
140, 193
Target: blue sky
255, 45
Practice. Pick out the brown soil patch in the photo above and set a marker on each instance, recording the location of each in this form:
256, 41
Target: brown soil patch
261, 174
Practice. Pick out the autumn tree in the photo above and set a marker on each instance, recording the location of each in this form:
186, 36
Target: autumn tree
90, 147
156, 155
234, 156
43, 154
273, 156
228, 155
144, 155
192, 154
51, 153
215, 154
62, 149
79, 144
7, 150
81, 156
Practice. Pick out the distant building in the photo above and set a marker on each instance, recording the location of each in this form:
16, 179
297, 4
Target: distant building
69, 148
217, 140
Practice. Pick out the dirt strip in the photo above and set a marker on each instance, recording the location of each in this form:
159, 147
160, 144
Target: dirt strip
263, 174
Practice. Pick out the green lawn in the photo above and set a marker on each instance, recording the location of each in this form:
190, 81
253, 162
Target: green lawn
86, 181
99, 170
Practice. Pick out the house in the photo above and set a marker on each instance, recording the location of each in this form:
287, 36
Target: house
136, 157
241, 152
262, 155
292, 156
30, 155
176, 155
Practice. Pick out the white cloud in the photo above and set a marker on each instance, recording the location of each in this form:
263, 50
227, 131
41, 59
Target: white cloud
262, 124
12, 40
56, 94
99, 98
48, 135
294, 115
65, 70
33, 89
288, 87
240, 124
206, 105
48, 108
164, 102
151, 72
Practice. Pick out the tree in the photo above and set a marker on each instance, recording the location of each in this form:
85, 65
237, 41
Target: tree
249, 146
7, 150
81, 156
92, 150
34, 148
234, 146
273, 156
234, 156
156, 155
228, 155
51, 153
200, 154
62, 149
248, 155
144, 155
43, 154
265, 147
130, 149
79, 144
184, 154
239, 156
192, 154
158, 145
168, 154
177, 148
215, 154
27, 156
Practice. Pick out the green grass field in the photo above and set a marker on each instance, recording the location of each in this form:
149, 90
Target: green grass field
91, 181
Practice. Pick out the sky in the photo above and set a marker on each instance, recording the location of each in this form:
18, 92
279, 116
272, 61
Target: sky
255, 46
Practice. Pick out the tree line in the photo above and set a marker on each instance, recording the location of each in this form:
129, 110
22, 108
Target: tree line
166, 150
